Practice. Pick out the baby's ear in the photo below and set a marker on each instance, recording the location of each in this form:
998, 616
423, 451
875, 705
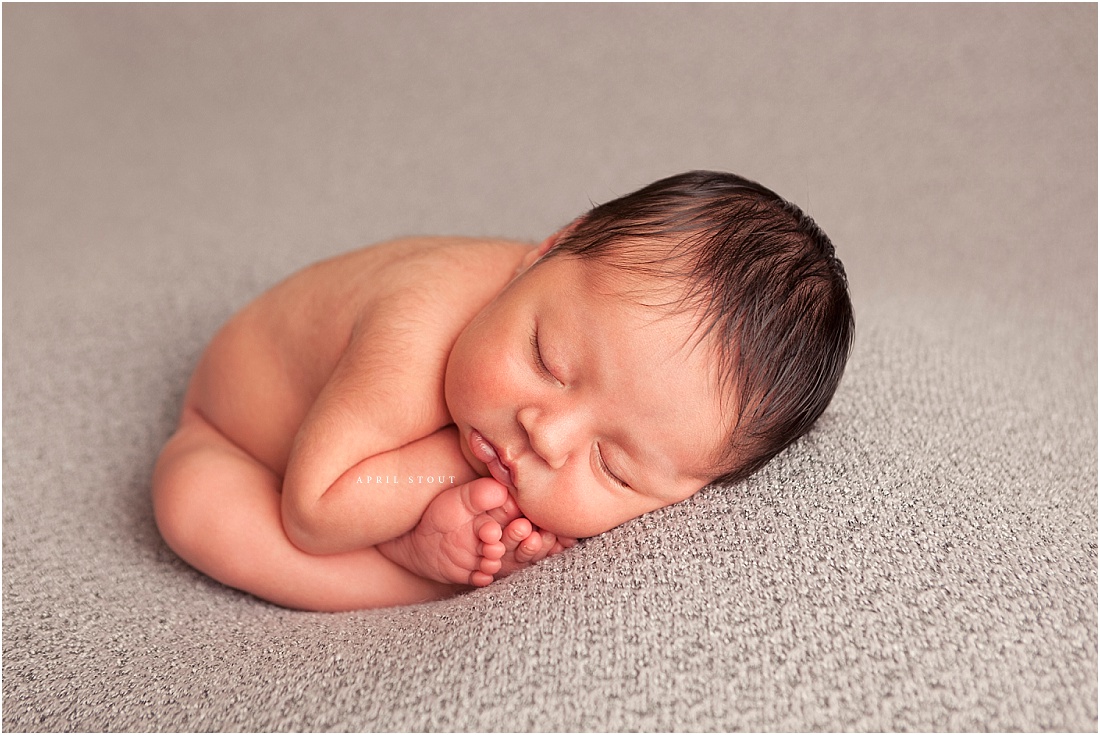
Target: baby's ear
532, 257
535, 254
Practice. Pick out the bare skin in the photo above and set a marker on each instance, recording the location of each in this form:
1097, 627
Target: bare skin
460, 536
333, 376
399, 423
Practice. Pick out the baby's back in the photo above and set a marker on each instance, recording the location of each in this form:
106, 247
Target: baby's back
266, 366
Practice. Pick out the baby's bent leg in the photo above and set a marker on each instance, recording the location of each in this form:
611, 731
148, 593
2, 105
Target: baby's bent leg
219, 509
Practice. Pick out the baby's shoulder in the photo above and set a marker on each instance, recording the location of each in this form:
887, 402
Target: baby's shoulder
439, 269
417, 259
427, 286
422, 281
442, 267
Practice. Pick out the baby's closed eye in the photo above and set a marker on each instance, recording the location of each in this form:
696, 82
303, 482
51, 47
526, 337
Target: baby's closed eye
607, 470
539, 360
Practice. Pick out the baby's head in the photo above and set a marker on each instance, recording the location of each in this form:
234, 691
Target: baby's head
770, 296
680, 335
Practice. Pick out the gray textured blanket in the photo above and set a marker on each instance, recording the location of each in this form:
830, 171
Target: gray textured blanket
925, 559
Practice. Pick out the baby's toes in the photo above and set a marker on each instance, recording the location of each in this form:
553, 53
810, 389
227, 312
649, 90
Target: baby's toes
515, 532
561, 544
489, 566
493, 551
531, 548
547, 541
485, 494
488, 531
506, 512
481, 579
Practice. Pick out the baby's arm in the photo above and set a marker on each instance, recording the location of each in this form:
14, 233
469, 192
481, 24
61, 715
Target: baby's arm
323, 515
381, 414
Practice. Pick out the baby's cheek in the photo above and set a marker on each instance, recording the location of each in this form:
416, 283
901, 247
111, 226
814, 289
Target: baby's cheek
563, 514
460, 387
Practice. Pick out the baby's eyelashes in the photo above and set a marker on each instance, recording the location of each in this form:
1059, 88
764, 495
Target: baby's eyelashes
540, 363
607, 470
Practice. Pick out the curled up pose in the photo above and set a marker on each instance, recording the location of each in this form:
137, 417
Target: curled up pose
409, 420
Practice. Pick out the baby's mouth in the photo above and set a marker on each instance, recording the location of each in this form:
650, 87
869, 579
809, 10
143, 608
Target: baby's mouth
487, 453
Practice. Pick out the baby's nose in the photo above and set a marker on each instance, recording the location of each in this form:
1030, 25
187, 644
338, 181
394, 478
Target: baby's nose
551, 435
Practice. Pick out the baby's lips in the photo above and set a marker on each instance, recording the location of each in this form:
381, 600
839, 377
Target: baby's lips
501, 473
481, 448
485, 453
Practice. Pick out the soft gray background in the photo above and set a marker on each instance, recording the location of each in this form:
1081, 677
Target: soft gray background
926, 559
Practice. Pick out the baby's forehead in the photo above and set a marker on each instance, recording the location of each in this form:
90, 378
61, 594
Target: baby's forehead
657, 297
666, 355
653, 283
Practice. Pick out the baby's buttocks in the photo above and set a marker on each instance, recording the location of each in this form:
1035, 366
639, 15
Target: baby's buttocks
246, 387
264, 369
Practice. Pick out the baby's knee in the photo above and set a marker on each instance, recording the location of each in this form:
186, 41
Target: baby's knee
189, 483
175, 505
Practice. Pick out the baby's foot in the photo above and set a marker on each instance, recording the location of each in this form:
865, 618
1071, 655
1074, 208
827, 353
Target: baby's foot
457, 540
525, 545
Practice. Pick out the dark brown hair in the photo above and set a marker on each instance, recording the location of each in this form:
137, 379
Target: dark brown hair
766, 284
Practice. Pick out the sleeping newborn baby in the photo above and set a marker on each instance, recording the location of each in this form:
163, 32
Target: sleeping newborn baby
400, 423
